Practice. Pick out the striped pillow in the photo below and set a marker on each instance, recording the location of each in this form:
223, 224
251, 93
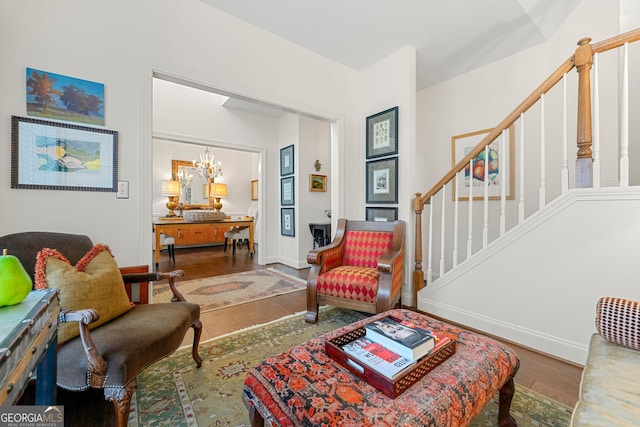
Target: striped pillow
618, 321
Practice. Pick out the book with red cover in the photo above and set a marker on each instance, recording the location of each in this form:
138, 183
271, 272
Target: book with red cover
391, 387
377, 357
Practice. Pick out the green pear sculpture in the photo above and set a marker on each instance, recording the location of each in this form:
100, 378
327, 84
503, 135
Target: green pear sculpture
15, 282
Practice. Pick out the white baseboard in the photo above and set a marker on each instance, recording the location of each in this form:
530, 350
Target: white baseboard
558, 347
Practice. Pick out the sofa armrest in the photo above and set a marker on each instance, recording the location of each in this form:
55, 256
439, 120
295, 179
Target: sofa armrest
96, 364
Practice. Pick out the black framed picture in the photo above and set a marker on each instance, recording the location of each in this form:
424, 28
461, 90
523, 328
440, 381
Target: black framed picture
375, 213
382, 181
382, 134
287, 222
61, 156
287, 191
286, 160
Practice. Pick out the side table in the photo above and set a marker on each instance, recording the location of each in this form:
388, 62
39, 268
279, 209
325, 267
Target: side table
28, 337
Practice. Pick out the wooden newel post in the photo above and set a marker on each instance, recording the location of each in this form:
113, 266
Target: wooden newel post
418, 274
584, 163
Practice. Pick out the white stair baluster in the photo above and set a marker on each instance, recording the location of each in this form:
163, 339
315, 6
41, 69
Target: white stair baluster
542, 191
595, 136
565, 147
454, 253
503, 179
442, 222
521, 171
470, 227
430, 254
624, 120
485, 226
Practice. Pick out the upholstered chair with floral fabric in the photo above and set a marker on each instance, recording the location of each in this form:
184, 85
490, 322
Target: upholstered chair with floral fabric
104, 340
361, 269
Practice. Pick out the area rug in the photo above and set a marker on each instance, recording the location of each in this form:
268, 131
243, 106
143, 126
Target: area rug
213, 293
173, 392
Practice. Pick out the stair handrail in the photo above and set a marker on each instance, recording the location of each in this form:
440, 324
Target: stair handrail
582, 60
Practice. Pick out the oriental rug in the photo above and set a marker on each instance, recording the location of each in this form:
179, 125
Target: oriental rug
213, 293
173, 392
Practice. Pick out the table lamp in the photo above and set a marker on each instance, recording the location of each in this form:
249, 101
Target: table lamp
171, 189
218, 190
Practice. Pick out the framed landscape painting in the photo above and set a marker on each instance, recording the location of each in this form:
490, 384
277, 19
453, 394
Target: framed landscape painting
59, 97
317, 182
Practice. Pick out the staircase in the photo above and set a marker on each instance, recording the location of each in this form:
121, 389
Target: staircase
523, 249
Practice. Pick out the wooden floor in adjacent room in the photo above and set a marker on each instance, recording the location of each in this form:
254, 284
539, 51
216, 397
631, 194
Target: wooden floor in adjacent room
546, 375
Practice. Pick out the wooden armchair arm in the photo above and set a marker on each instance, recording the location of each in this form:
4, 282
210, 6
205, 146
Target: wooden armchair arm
157, 276
315, 256
171, 276
387, 260
150, 277
329, 256
390, 258
97, 365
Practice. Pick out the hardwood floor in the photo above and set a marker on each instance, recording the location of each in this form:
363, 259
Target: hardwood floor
551, 377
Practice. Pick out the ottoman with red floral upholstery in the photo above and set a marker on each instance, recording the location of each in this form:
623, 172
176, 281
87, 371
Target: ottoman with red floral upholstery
303, 386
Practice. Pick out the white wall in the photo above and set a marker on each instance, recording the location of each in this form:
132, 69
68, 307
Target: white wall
288, 134
541, 290
313, 146
398, 72
188, 40
539, 286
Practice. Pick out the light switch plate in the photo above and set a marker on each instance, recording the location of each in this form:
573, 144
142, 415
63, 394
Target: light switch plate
123, 190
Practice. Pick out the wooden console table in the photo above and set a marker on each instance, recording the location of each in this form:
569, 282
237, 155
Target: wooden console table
28, 336
195, 233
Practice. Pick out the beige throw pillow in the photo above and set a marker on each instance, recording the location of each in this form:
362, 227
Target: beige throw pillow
95, 282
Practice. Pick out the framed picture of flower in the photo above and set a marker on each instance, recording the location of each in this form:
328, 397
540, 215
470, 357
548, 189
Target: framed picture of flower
382, 181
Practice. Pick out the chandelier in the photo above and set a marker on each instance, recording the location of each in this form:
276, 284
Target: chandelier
184, 177
206, 167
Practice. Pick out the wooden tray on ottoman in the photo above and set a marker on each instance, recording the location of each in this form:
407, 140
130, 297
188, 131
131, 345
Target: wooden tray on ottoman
390, 387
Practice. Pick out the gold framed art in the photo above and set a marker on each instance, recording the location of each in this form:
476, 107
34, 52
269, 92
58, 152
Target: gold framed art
317, 182
254, 189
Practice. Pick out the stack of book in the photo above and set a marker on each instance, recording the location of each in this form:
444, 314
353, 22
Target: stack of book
390, 354
391, 346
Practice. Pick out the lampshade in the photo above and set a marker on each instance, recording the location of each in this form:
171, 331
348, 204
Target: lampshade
218, 189
170, 188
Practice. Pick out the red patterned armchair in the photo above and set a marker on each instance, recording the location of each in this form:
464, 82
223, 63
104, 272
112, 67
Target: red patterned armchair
360, 270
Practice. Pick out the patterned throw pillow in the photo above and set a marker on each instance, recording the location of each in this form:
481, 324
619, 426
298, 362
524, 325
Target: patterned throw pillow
618, 321
95, 282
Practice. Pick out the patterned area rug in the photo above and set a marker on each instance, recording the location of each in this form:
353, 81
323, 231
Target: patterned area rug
216, 292
173, 392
